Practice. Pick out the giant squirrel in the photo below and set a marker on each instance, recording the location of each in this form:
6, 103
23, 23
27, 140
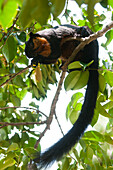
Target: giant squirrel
46, 47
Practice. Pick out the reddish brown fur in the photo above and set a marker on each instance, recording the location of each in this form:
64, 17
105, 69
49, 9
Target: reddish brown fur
42, 46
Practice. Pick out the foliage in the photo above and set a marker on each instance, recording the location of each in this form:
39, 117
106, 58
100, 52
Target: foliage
17, 131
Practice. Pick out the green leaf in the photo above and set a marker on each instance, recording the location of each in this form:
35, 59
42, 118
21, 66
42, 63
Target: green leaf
95, 118
75, 65
15, 100
75, 113
108, 139
79, 2
93, 136
75, 98
76, 154
110, 2
83, 80
29, 118
108, 105
102, 111
3, 135
41, 89
41, 11
109, 36
66, 163
34, 105
34, 9
9, 49
25, 160
15, 138
102, 83
111, 96
31, 152
89, 153
57, 7
13, 147
111, 112
71, 80
90, 10
109, 77
22, 37
73, 104
18, 80
36, 92
25, 137
104, 3
7, 163
32, 141
4, 143
8, 12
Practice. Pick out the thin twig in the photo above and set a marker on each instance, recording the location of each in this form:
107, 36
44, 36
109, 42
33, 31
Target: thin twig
12, 77
59, 124
21, 123
1, 77
28, 108
10, 30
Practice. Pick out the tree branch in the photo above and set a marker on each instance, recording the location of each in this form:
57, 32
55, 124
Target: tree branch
17, 107
86, 41
52, 110
21, 123
12, 77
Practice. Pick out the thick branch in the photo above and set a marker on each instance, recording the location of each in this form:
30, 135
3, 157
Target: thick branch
86, 41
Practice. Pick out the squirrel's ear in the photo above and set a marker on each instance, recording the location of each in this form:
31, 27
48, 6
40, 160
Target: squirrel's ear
34, 35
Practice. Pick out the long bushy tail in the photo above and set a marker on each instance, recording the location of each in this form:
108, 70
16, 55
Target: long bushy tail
63, 146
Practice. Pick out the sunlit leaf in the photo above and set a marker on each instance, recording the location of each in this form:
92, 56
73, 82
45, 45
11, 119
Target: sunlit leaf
15, 100
75, 65
56, 9
65, 163
109, 36
8, 12
7, 163
71, 80
31, 152
110, 2
34, 9
109, 78
9, 49
12, 147
83, 80
102, 83
102, 111
93, 136
73, 116
3, 134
